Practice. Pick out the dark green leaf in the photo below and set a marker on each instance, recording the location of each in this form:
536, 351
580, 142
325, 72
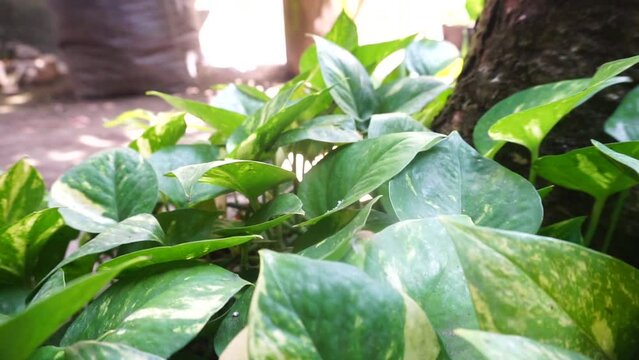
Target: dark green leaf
569, 230
345, 175
186, 225
185, 251
166, 133
332, 129
235, 320
337, 245
21, 192
623, 124
589, 302
105, 189
173, 157
349, 84
158, 313
98, 350
453, 179
270, 215
589, 170
409, 95
23, 333
383, 124
497, 346
251, 178
300, 303
222, 120
21, 242
428, 57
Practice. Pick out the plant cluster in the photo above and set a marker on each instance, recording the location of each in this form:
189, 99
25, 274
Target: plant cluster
398, 242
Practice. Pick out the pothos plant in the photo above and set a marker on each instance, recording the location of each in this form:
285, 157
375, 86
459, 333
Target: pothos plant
398, 243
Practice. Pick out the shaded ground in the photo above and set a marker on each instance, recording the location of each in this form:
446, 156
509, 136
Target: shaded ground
56, 135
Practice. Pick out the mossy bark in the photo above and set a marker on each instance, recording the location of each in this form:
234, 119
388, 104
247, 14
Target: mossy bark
521, 43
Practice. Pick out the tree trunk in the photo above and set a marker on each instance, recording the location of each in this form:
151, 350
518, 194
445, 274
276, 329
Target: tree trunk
518, 44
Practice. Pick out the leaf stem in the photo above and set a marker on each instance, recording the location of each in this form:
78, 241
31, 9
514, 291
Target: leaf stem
614, 219
595, 215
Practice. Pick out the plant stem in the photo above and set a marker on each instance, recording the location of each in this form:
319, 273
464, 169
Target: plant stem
614, 219
595, 215
532, 174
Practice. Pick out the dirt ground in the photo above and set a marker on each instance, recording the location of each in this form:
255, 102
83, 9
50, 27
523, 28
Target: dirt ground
55, 135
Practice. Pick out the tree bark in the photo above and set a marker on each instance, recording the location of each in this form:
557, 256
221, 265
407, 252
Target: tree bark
518, 44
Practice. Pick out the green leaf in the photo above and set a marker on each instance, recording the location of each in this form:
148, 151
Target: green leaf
551, 291
186, 225
173, 157
343, 33
428, 57
337, 245
418, 257
474, 8
497, 346
332, 129
622, 124
13, 299
300, 303
409, 95
251, 178
371, 55
526, 117
222, 120
589, 170
349, 84
98, 350
241, 99
157, 313
104, 189
21, 242
453, 179
545, 191
21, 192
626, 162
428, 114
235, 320
383, 124
271, 127
139, 228
166, 133
185, 251
270, 215
54, 283
362, 167
568, 230
23, 333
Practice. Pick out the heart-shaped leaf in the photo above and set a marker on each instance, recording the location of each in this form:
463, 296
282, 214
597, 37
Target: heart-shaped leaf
409, 95
173, 157
588, 300
382, 124
345, 175
623, 124
166, 133
419, 258
104, 189
21, 242
428, 57
251, 178
497, 346
589, 170
349, 84
21, 334
343, 33
299, 302
158, 313
21, 192
222, 120
453, 179
332, 129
